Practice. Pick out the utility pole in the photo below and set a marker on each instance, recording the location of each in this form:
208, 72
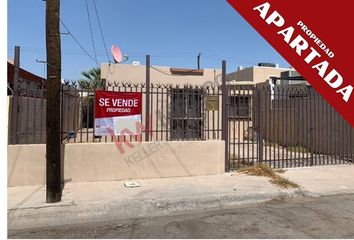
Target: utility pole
53, 146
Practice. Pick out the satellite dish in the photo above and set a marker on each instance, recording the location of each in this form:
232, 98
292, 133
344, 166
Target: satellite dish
117, 54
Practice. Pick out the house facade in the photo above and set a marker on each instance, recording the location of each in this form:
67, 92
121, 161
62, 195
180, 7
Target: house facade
180, 107
118, 73
180, 99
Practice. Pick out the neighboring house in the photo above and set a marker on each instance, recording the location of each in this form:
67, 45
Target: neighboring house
29, 83
240, 104
291, 74
30, 118
263, 73
259, 75
256, 74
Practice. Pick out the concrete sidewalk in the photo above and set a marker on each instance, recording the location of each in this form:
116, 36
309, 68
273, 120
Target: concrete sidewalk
324, 180
105, 201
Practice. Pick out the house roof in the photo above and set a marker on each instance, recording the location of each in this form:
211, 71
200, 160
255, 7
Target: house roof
23, 74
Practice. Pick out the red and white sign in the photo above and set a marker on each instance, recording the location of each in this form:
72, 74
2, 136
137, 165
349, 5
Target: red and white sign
314, 38
117, 112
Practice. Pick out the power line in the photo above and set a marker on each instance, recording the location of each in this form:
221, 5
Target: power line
183, 55
78, 43
64, 51
102, 36
89, 21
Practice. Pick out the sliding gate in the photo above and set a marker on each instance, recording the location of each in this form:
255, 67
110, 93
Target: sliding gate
285, 126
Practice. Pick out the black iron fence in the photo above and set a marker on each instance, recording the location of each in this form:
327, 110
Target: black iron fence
176, 113
285, 126
30, 115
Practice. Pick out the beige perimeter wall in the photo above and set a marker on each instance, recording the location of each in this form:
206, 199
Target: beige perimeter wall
104, 161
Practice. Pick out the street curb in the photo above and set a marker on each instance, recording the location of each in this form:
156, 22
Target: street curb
313, 194
27, 218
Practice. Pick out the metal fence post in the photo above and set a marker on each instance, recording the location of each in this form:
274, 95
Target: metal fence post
258, 123
225, 120
312, 127
147, 100
15, 97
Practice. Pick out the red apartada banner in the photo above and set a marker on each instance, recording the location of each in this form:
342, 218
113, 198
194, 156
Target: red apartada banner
314, 37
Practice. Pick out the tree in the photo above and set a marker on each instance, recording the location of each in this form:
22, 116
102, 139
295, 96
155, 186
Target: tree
91, 83
92, 79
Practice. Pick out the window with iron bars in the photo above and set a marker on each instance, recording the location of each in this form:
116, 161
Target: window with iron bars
240, 107
186, 114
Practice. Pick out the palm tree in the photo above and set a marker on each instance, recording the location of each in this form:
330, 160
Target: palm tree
92, 79
91, 83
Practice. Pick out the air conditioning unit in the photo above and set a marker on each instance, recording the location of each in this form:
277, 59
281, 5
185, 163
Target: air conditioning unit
264, 64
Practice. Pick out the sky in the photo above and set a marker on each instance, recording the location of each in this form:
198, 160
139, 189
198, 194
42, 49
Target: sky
172, 32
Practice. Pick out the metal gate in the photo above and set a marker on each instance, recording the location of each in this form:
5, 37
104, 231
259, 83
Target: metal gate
285, 126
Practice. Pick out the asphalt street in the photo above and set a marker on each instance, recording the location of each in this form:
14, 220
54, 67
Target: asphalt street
321, 217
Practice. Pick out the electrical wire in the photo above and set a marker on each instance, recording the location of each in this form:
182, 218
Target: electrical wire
160, 55
91, 32
99, 25
78, 43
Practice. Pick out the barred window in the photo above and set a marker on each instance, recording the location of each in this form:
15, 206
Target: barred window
186, 114
240, 107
